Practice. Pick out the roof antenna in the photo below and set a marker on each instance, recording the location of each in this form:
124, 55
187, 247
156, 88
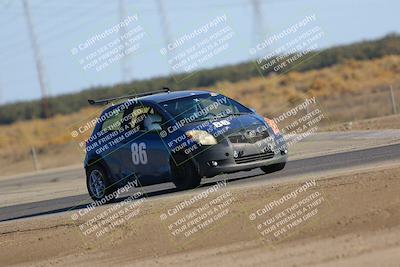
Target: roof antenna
166, 89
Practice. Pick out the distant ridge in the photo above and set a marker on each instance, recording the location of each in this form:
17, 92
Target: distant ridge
69, 103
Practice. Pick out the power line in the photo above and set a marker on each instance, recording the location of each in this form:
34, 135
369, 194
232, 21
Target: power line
19, 45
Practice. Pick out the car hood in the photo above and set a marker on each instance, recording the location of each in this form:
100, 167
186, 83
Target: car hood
227, 125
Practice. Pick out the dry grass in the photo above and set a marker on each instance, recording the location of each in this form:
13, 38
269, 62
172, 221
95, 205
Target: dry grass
51, 139
356, 82
350, 91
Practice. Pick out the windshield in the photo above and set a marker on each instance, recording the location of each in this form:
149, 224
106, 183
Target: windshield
202, 107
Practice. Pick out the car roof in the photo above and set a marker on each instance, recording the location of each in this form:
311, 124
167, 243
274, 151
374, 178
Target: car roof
161, 97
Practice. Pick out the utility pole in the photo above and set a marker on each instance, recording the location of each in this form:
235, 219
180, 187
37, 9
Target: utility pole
125, 70
164, 22
258, 20
165, 25
37, 56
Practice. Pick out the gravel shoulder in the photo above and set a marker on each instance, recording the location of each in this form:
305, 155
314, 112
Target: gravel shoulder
357, 224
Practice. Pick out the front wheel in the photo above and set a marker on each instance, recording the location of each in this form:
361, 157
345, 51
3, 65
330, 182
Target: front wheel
273, 167
185, 175
98, 184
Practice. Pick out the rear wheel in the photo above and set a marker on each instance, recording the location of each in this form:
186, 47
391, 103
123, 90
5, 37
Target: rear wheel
273, 167
185, 175
98, 184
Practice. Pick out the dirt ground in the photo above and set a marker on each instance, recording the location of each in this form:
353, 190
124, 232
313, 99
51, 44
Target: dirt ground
380, 123
341, 220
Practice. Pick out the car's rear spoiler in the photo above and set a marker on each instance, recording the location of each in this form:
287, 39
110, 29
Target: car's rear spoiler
108, 100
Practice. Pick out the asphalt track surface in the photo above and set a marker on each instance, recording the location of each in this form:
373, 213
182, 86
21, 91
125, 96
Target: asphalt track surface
295, 167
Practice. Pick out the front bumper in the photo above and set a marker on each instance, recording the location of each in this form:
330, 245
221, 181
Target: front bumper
237, 157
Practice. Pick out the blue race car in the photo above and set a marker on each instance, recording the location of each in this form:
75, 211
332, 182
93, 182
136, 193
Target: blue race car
178, 137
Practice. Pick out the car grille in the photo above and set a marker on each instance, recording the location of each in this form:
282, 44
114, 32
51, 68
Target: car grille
248, 136
255, 157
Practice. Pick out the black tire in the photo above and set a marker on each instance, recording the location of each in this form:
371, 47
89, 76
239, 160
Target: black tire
273, 168
99, 195
184, 173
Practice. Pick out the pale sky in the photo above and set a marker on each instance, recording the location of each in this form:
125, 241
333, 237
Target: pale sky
62, 25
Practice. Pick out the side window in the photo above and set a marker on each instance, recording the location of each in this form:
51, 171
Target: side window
114, 122
138, 116
144, 116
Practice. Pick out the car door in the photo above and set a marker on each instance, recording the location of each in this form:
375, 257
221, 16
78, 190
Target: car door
107, 145
144, 154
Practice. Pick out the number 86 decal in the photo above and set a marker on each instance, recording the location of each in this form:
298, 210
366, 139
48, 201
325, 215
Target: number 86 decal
139, 153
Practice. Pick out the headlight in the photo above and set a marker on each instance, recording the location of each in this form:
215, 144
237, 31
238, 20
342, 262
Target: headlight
201, 137
272, 124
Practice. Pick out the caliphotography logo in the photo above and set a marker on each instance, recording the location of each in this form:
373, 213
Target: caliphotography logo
200, 133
